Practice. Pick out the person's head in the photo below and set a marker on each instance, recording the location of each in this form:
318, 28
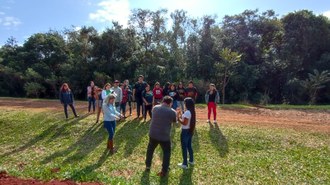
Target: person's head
147, 87
172, 87
157, 85
116, 83
190, 105
126, 82
110, 99
65, 87
167, 100
167, 85
212, 86
191, 84
91, 83
122, 85
180, 85
140, 79
107, 86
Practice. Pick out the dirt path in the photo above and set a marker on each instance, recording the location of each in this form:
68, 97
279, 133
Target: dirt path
305, 120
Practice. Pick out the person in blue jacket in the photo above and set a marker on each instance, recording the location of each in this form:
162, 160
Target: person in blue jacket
109, 117
66, 98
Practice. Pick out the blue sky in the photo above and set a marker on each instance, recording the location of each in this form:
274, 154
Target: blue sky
23, 18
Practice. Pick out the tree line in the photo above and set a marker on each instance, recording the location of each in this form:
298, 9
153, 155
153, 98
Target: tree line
252, 57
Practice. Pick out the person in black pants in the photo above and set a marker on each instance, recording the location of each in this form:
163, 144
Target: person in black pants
66, 98
160, 134
139, 87
147, 97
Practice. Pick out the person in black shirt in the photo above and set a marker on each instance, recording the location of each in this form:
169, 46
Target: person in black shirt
191, 91
182, 95
138, 88
212, 98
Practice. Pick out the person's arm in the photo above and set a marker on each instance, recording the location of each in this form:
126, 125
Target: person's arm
217, 98
104, 94
196, 93
72, 97
206, 97
184, 120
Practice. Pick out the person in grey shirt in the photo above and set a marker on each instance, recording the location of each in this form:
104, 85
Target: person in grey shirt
119, 94
160, 133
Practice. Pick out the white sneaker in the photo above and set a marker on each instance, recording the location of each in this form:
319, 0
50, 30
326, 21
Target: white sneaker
208, 121
183, 166
191, 163
215, 121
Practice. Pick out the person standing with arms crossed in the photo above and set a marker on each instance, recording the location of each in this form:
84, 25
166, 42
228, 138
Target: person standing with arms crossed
66, 98
191, 91
139, 87
91, 96
160, 133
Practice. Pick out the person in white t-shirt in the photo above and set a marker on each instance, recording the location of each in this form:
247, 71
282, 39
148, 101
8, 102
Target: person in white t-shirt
188, 122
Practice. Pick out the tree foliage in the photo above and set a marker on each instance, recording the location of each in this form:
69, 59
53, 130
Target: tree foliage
253, 56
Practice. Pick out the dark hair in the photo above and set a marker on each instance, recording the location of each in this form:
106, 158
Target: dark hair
141, 76
168, 100
191, 82
190, 105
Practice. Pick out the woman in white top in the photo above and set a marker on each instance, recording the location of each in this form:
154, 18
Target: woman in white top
188, 122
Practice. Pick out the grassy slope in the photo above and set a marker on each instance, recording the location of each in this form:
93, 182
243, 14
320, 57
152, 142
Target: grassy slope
35, 144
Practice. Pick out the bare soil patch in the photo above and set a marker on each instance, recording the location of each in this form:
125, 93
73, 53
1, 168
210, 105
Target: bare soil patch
301, 120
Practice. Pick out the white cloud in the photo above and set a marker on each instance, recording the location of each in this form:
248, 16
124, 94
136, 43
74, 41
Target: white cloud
112, 10
9, 22
327, 14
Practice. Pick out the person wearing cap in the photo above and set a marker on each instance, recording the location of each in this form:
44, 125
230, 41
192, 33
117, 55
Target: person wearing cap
158, 94
139, 87
119, 94
110, 116
160, 134
212, 97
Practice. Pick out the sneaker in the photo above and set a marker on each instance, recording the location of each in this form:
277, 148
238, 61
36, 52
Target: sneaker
191, 163
208, 121
183, 166
215, 121
161, 174
77, 116
147, 169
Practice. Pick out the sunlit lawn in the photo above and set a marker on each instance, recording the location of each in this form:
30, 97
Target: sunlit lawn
45, 146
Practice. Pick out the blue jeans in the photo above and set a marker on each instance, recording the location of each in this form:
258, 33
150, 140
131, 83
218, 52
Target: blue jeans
174, 104
111, 127
91, 100
186, 147
123, 108
166, 147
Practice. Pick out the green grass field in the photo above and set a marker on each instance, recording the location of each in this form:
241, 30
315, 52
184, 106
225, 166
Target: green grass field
44, 146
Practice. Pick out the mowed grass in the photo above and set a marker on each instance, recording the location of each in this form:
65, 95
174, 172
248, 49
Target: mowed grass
44, 146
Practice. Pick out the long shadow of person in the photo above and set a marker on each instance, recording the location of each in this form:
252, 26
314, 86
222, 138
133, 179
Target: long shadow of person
91, 168
56, 125
145, 178
218, 139
93, 136
130, 134
185, 178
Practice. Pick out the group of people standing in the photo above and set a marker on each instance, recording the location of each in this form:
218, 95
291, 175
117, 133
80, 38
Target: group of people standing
164, 105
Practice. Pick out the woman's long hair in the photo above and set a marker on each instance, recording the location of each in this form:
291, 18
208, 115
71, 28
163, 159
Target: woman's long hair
190, 105
62, 87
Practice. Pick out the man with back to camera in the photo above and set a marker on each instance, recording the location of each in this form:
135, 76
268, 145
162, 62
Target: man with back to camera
160, 133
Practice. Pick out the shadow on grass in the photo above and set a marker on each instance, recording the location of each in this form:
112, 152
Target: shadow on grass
145, 178
90, 169
130, 134
218, 139
185, 178
84, 145
44, 134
